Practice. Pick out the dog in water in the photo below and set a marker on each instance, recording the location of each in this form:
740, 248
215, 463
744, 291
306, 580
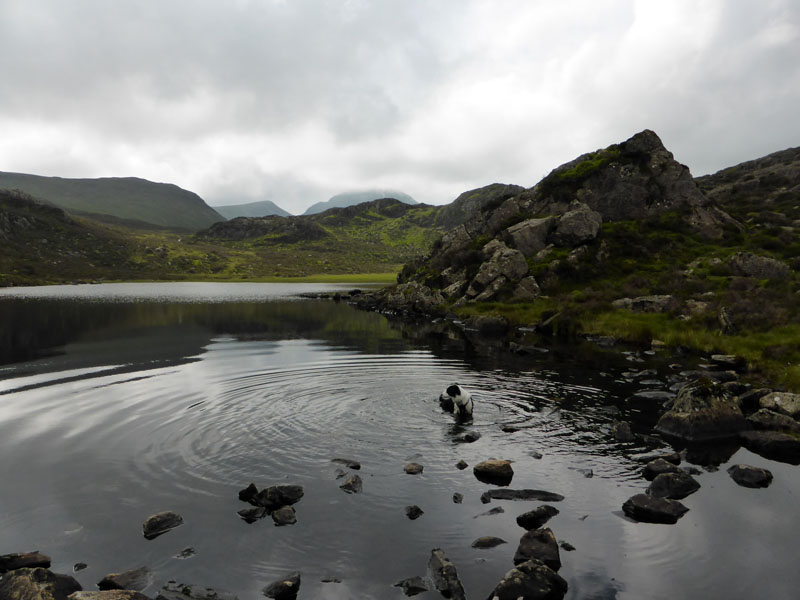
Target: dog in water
456, 400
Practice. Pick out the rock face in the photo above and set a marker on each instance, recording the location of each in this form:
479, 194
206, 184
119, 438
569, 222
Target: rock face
531, 580
657, 467
37, 584
497, 472
353, 485
702, 411
160, 523
648, 509
752, 477
539, 544
444, 576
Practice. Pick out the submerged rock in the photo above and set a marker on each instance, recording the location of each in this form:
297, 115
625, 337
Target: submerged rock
160, 523
445, 576
25, 560
285, 515
537, 517
497, 472
350, 464
752, 477
179, 591
413, 468
276, 496
702, 411
135, 579
674, 486
649, 509
251, 515
531, 580
412, 586
488, 542
539, 544
353, 485
37, 584
284, 589
506, 494
498, 510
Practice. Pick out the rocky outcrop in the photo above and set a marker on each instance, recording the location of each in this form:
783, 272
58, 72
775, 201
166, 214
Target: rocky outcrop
532, 580
469, 203
702, 411
748, 264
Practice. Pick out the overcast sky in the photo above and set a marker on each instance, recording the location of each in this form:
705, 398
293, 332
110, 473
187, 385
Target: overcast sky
297, 100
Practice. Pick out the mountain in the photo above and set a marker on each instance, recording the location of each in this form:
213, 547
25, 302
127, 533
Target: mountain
127, 198
353, 198
265, 208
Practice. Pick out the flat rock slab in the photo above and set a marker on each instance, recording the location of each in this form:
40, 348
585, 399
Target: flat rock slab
353, 485
775, 445
497, 472
752, 477
37, 584
413, 468
648, 509
531, 580
539, 544
674, 486
109, 595
160, 523
179, 591
487, 542
534, 519
507, 494
445, 576
135, 579
412, 586
24, 560
284, 589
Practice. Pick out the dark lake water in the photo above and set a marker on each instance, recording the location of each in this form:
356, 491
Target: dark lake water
119, 401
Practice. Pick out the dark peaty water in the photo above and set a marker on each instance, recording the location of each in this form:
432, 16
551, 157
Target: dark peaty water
120, 401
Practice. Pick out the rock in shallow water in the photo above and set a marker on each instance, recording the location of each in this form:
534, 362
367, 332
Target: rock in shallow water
284, 589
414, 512
413, 468
775, 445
350, 464
537, 517
752, 477
506, 494
540, 544
648, 509
179, 591
674, 486
160, 523
285, 515
702, 411
276, 496
531, 580
37, 584
658, 466
109, 595
135, 579
445, 576
497, 472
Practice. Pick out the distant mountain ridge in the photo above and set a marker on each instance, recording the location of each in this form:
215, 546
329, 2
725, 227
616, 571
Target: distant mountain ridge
353, 198
127, 198
263, 208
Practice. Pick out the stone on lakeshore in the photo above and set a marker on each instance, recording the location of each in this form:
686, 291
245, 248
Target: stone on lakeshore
497, 472
414, 512
531, 580
79, 566
277, 496
412, 586
135, 579
445, 576
25, 560
37, 583
657, 467
534, 519
160, 523
251, 515
285, 515
775, 445
752, 477
782, 402
284, 589
179, 591
488, 542
540, 544
702, 411
506, 494
109, 595
413, 468
674, 486
353, 485
350, 464
648, 509
765, 419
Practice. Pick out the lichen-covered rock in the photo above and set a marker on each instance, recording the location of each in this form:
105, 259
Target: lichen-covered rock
782, 402
702, 411
531, 580
445, 576
502, 265
752, 477
527, 290
748, 264
657, 467
649, 509
416, 297
160, 523
539, 544
37, 584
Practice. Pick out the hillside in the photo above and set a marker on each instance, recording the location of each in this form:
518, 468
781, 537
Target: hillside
353, 198
126, 198
265, 208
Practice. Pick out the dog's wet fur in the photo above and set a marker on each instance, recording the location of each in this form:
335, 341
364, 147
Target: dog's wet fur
456, 400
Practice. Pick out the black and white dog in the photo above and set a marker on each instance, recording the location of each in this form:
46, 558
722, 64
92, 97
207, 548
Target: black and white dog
456, 400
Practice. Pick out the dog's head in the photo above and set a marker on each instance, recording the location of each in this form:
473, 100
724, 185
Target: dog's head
456, 399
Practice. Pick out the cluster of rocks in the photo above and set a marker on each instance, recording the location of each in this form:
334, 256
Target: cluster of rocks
276, 501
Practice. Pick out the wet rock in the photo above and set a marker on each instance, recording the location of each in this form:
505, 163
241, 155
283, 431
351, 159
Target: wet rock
445, 576
622, 432
782, 402
179, 591
674, 486
495, 511
577, 226
657, 467
531, 580
469, 437
461, 465
109, 595
37, 584
249, 493
765, 419
414, 512
497, 472
649, 509
752, 477
135, 579
505, 494
748, 401
412, 586
458, 498
284, 589
566, 546
775, 445
702, 411
79, 566
25, 560
285, 515
251, 515
534, 519
413, 468
350, 464
186, 553
276, 496
539, 544
353, 485
160, 523
488, 542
